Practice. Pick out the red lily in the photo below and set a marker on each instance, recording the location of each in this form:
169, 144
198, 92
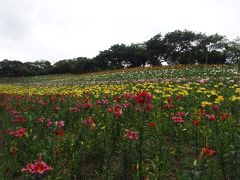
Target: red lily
151, 124
196, 122
209, 152
89, 121
59, 132
18, 133
143, 97
131, 135
39, 167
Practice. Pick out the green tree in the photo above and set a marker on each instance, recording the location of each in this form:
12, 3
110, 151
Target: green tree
155, 49
180, 47
120, 55
212, 49
233, 51
83, 65
11, 68
135, 55
63, 66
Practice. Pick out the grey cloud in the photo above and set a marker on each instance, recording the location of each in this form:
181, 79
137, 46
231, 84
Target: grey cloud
56, 29
13, 28
14, 19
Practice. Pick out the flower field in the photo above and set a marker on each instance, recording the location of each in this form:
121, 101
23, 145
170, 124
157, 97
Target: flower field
180, 122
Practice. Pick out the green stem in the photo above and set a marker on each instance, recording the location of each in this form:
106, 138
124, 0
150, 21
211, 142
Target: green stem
196, 142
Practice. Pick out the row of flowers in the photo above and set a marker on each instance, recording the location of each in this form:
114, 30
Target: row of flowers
148, 125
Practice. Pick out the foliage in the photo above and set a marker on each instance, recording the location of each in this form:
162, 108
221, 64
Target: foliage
177, 47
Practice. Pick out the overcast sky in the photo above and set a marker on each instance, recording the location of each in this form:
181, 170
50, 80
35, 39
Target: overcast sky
60, 29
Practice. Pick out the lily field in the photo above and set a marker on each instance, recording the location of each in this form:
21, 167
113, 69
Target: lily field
170, 122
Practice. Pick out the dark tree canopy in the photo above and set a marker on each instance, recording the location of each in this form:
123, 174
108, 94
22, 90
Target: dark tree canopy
177, 47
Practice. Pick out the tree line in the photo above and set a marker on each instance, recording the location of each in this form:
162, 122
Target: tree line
177, 47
